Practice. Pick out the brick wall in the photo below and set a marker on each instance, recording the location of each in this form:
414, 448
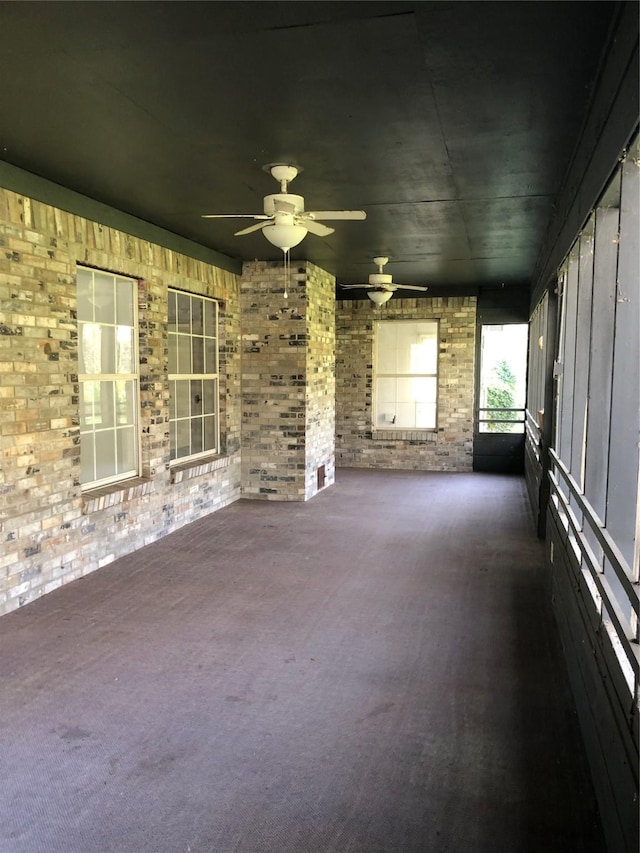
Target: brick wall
51, 533
320, 422
287, 379
287, 403
450, 448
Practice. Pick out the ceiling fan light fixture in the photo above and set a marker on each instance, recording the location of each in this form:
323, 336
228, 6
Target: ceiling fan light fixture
379, 296
284, 236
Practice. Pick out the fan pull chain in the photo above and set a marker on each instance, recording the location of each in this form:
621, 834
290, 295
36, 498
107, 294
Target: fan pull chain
287, 272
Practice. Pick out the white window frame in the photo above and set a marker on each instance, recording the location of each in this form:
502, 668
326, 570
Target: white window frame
177, 374
378, 375
90, 429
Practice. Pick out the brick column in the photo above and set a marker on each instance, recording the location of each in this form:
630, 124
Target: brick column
288, 385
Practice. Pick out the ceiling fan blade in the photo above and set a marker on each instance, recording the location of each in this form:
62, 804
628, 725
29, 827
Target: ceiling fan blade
317, 228
234, 216
250, 229
336, 214
410, 287
354, 286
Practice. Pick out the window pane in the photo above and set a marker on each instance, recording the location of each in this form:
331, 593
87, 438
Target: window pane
197, 320
172, 401
184, 354
87, 392
173, 440
211, 356
387, 360
405, 416
197, 349
126, 449
184, 314
196, 435
387, 336
183, 439
173, 353
196, 396
105, 454
87, 457
104, 409
172, 311
105, 306
124, 304
416, 390
84, 282
210, 318
182, 398
125, 402
125, 361
386, 390
385, 415
424, 356
429, 390
426, 415
108, 349
209, 433
210, 393
90, 348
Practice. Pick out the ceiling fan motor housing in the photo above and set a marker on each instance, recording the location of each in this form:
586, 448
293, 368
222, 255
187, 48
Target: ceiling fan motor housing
380, 279
288, 199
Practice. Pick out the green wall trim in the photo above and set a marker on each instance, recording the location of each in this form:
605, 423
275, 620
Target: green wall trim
33, 186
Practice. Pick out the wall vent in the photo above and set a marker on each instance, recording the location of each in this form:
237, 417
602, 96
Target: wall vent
321, 476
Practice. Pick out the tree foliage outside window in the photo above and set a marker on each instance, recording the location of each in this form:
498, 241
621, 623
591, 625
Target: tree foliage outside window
501, 395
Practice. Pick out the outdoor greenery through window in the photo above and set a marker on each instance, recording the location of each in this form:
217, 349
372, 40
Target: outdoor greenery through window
503, 378
108, 377
406, 374
193, 375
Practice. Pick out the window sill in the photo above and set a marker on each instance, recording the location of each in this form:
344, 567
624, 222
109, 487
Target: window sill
182, 471
94, 500
426, 435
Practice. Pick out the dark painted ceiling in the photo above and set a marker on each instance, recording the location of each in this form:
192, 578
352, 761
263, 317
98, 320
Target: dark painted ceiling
450, 123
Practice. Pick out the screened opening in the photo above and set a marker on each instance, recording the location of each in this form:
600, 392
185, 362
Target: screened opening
503, 378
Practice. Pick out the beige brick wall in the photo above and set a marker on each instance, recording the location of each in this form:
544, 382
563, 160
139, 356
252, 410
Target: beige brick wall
450, 448
288, 385
295, 395
50, 532
320, 422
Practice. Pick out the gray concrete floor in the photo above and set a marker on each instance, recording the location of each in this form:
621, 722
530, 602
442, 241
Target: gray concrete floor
374, 670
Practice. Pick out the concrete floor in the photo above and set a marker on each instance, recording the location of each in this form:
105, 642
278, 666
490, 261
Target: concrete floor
374, 670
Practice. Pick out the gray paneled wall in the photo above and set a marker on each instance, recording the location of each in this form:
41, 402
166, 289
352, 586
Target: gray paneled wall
593, 507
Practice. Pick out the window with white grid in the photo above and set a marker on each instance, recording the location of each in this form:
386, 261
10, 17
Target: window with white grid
193, 375
108, 377
405, 374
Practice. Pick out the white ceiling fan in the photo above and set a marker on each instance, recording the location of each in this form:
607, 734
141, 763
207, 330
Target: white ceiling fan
381, 287
285, 222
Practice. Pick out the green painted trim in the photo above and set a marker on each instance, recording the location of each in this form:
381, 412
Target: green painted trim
33, 186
